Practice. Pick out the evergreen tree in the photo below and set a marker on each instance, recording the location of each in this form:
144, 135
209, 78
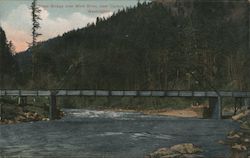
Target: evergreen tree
35, 12
35, 21
8, 66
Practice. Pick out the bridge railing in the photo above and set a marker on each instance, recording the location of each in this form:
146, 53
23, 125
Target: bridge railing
172, 93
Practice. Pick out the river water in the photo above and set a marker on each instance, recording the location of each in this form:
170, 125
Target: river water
107, 134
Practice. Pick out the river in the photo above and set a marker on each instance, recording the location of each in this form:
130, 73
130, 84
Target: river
107, 134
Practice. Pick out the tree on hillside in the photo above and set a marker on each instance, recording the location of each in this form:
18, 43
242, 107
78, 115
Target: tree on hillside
12, 48
35, 12
8, 66
35, 21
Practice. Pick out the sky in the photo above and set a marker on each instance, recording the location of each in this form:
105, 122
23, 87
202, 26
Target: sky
58, 16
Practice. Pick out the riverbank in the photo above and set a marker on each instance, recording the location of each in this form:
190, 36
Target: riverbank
239, 140
189, 112
12, 113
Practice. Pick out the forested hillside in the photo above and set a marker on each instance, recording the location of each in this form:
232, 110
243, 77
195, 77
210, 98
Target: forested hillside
161, 46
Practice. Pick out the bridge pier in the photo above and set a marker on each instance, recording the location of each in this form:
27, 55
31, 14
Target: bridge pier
215, 104
52, 108
22, 100
1, 112
247, 102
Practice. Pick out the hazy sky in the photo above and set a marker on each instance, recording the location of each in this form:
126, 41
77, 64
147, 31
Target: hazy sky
58, 16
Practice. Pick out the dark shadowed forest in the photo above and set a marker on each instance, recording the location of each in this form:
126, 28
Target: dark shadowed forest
185, 45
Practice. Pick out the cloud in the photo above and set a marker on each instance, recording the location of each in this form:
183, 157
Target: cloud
57, 26
17, 25
106, 14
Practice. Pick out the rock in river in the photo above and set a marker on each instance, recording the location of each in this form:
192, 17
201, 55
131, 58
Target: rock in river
186, 150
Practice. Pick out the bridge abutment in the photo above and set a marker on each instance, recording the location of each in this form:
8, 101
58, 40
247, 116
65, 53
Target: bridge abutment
52, 108
215, 106
247, 102
1, 112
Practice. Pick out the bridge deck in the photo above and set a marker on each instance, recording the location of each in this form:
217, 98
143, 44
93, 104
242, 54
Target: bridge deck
124, 93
